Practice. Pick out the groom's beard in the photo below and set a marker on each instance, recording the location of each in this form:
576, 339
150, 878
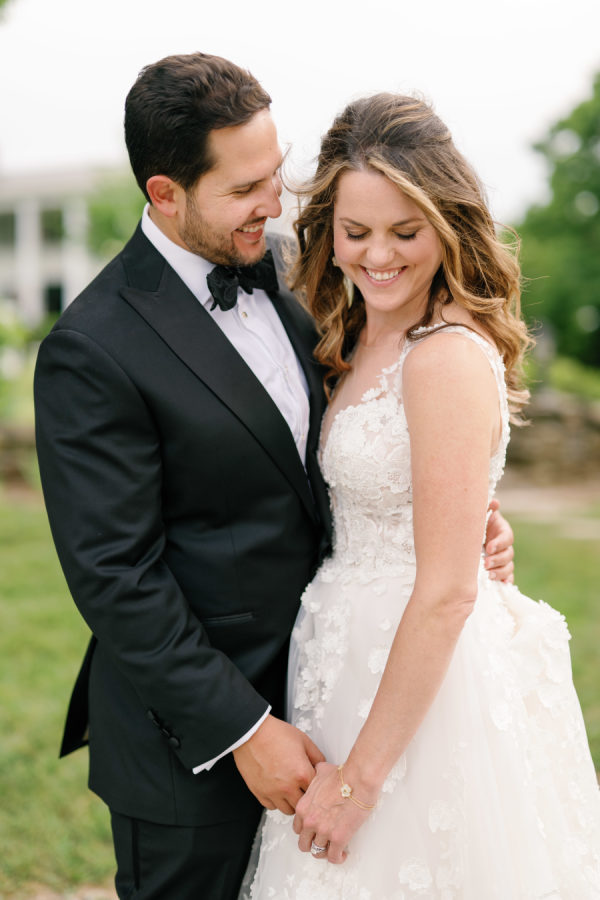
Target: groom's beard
207, 242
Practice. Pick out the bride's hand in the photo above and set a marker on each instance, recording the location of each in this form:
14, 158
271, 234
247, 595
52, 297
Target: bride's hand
325, 819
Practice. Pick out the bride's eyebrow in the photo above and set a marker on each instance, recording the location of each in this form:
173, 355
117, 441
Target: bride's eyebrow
412, 221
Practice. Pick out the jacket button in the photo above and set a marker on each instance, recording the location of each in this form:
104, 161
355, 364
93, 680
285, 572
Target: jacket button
152, 716
174, 741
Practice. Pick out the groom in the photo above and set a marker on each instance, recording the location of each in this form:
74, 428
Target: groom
177, 418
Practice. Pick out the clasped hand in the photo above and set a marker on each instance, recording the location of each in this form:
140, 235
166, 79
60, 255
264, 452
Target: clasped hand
325, 818
278, 763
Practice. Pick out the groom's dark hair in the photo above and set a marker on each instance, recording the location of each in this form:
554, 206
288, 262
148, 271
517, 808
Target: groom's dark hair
174, 105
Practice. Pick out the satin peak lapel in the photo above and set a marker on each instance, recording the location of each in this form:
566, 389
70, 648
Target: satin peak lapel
186, 327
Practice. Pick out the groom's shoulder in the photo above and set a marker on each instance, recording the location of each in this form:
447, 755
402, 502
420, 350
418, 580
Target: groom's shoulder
100, 304
95, 300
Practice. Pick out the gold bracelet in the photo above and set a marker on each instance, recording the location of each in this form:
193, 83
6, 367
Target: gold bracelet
346, 792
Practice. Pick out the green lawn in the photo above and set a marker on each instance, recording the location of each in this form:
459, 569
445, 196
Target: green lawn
52, 830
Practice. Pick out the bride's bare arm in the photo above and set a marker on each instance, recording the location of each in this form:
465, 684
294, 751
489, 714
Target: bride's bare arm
451, 404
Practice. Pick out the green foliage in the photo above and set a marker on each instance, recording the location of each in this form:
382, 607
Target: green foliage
13, 338
114, 211
561, 240
572, 377
18, 347
12, 331
563, 374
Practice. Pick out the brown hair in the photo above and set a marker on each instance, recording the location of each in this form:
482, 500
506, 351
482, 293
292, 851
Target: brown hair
401, 138
174, 105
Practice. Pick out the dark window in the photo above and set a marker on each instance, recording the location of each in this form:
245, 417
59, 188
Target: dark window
53, 296
7, 229
53, 229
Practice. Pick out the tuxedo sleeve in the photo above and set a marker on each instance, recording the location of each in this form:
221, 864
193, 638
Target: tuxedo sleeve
100, 463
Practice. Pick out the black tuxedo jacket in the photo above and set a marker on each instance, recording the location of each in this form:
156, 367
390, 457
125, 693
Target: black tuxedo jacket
186, 527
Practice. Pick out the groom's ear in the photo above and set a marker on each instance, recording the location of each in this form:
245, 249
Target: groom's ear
165, 195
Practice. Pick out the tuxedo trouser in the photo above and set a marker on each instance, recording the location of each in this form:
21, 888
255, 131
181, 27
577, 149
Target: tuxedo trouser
172, 862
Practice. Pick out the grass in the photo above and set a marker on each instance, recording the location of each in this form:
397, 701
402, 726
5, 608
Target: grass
52, 829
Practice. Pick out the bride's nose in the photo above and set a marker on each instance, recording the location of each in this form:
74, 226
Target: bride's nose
381, 254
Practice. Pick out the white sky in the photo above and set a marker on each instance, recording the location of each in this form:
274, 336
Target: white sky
498, 73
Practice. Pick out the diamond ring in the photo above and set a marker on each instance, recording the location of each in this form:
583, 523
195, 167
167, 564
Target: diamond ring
315, 849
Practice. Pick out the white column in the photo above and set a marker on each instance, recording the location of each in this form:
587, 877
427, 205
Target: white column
28, 242
75, 256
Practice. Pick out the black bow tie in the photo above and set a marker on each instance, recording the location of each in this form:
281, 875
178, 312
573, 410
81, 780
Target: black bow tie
223, 281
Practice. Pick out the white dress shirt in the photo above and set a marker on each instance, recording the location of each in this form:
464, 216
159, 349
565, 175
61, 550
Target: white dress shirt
256, 332
254, 329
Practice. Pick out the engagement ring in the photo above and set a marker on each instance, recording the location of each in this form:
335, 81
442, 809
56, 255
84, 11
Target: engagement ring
315, 849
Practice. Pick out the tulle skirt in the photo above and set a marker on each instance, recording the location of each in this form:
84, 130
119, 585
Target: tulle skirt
496, 797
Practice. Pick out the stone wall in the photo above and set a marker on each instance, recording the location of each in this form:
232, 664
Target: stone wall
562, 443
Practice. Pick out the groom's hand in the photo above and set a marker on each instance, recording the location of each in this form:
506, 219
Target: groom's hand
278, 763
499, 551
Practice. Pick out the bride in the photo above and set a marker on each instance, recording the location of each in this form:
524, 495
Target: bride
458, 766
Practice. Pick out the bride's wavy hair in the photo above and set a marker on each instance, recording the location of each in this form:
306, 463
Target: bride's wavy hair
402, 138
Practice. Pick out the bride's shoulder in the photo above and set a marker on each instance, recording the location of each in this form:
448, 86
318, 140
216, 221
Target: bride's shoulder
448, 355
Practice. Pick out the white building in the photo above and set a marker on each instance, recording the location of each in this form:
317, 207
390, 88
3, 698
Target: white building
44, 258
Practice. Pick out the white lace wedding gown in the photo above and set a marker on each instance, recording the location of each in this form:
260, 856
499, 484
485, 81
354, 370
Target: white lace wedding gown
496, 797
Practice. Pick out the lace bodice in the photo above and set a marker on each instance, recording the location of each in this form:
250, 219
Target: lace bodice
366, 464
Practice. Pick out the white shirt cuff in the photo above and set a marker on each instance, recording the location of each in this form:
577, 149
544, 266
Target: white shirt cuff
204, 767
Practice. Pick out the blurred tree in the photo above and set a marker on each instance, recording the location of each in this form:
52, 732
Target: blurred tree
560, 253
114, 211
